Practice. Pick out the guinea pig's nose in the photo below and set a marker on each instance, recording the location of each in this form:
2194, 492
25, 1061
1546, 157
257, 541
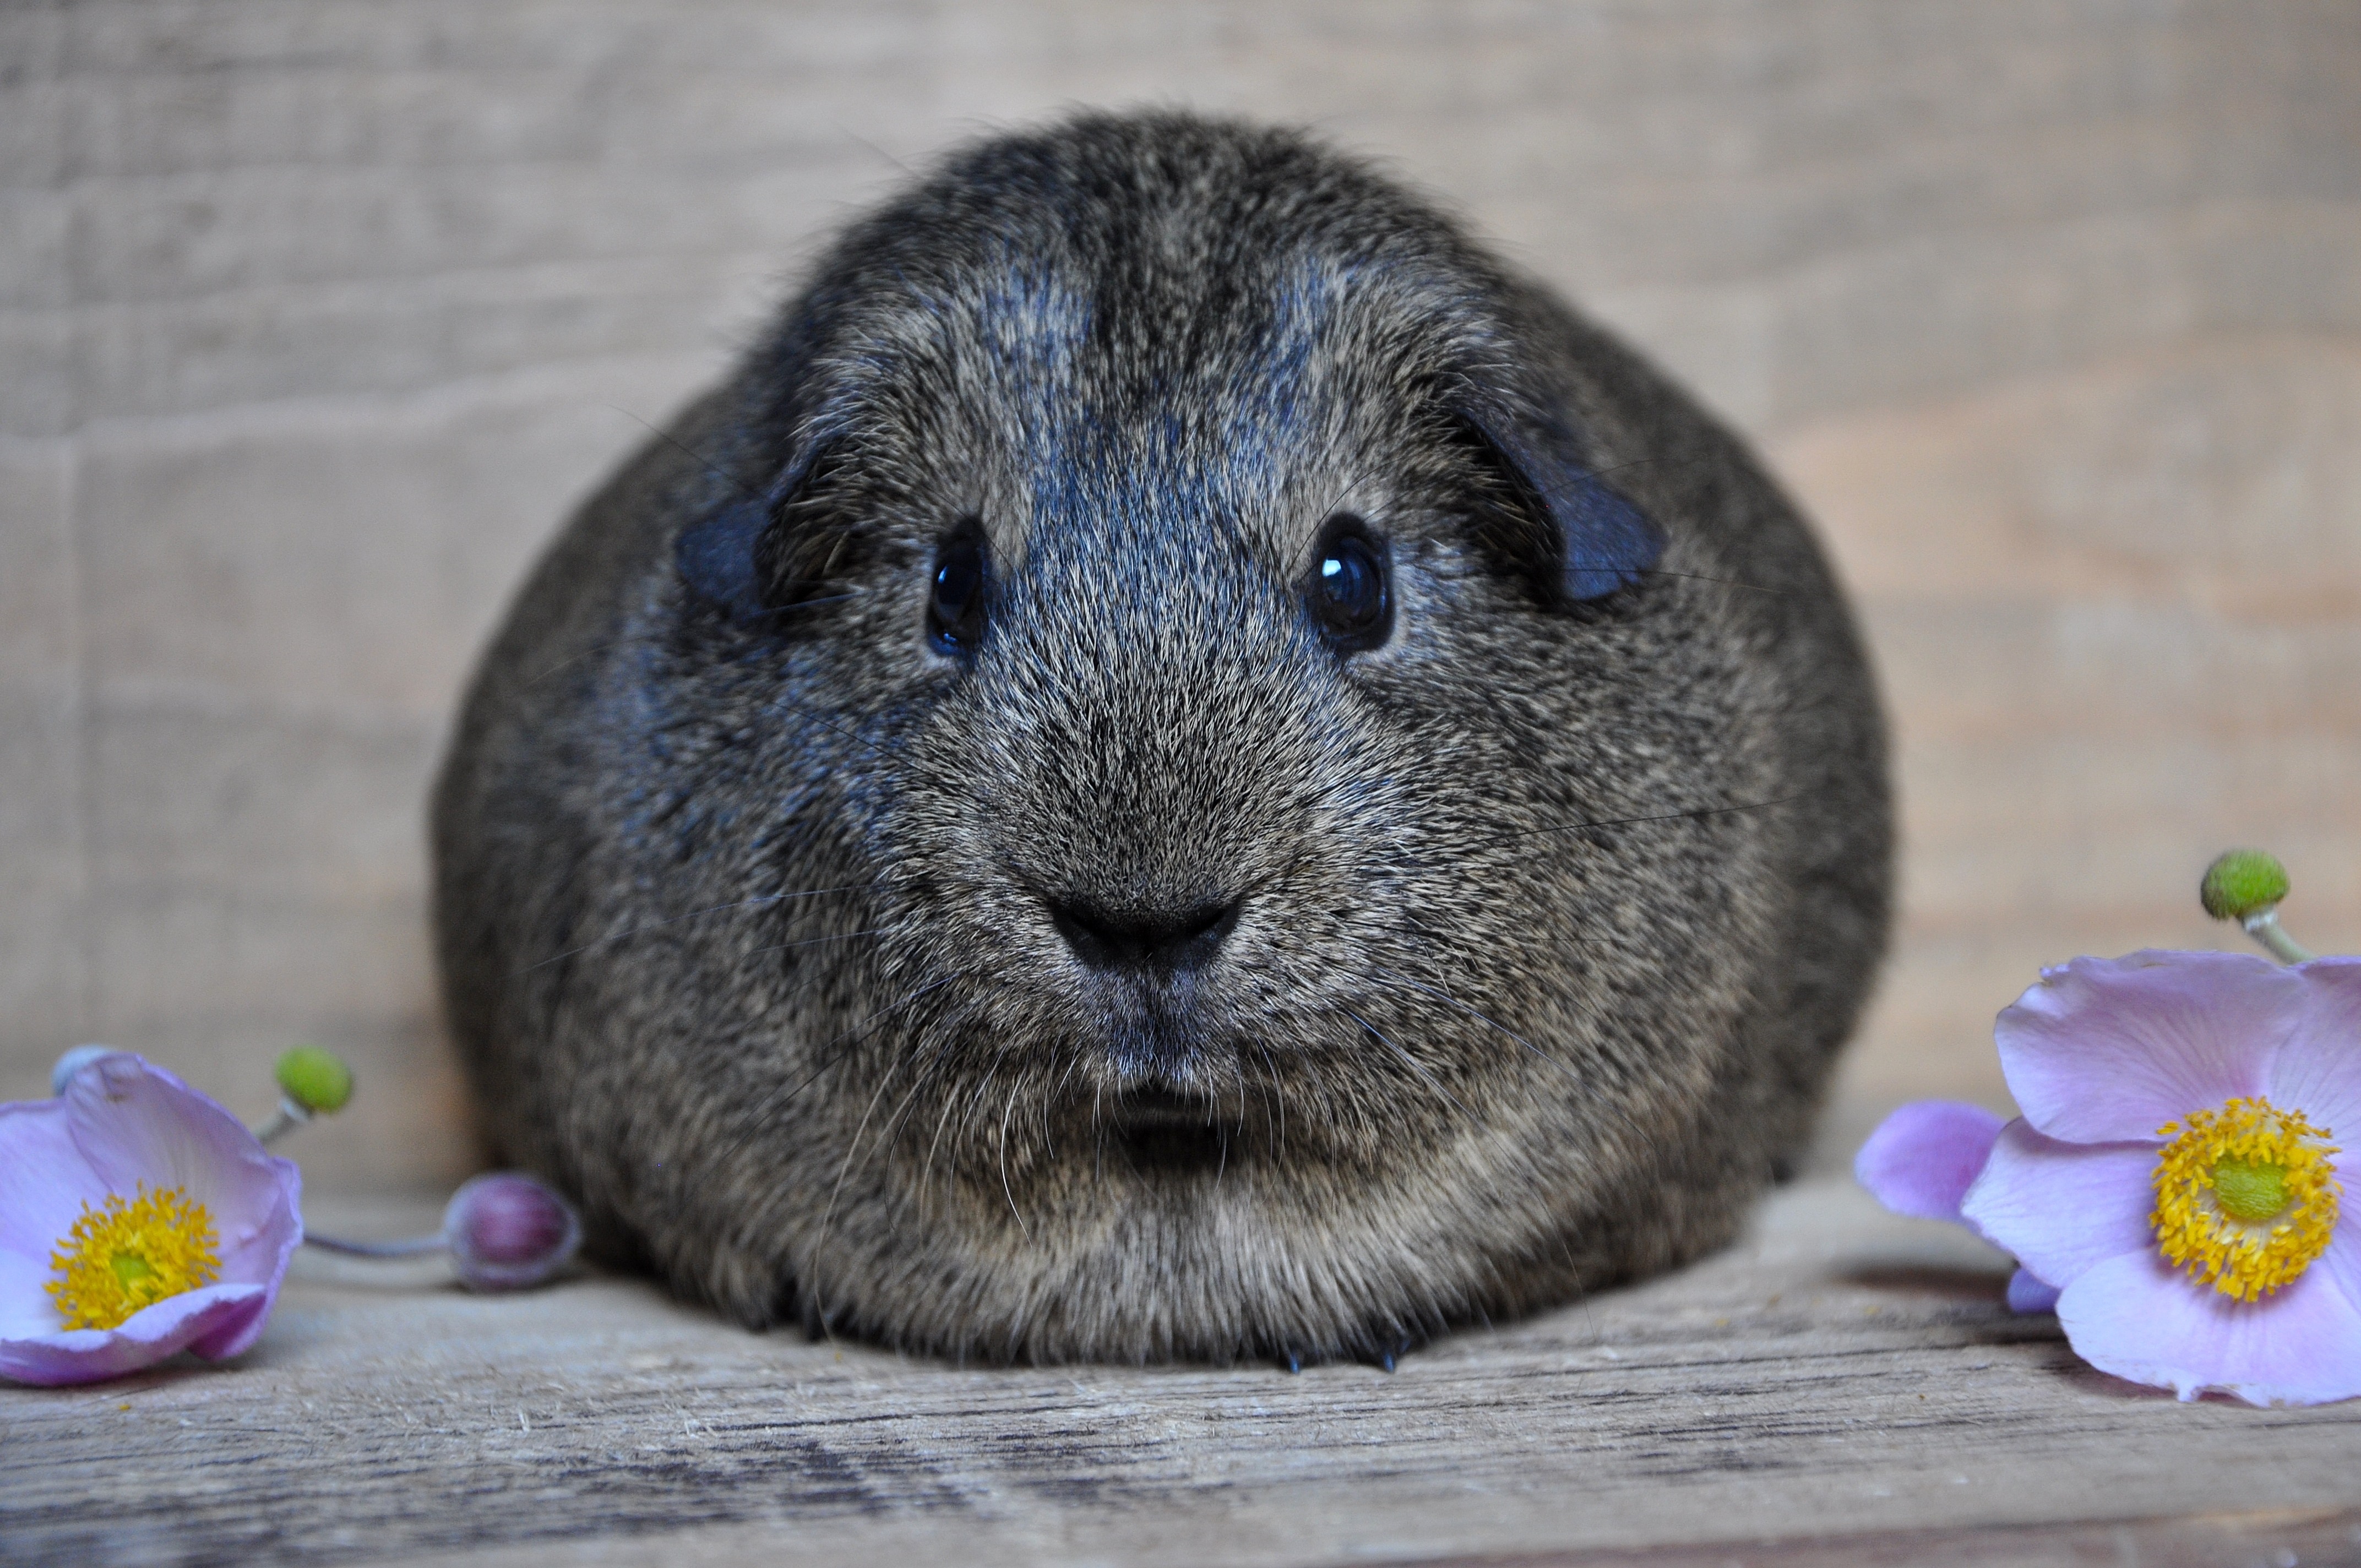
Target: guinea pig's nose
1159, 941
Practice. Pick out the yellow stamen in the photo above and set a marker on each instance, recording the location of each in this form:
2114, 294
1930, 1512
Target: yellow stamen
2244, 1196
125, 1256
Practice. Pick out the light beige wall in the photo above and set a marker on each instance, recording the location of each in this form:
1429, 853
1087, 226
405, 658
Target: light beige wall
316, 315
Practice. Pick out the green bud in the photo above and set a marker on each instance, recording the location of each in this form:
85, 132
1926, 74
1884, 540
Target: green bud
315, 1079
2242, 882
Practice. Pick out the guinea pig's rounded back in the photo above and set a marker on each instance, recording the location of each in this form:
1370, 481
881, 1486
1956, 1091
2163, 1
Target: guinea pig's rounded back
1181, 766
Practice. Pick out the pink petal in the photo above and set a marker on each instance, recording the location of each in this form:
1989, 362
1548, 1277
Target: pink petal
171, 1325
1922, 1158
2102, 1050
268, 1254
2029, 1294
2138, 1316
2318, 1070
2063, 1208
134, 1121
2342, 1262
44, 1182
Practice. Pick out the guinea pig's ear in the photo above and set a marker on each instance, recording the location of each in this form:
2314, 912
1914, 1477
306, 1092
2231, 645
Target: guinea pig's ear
734, 561
1581, 539
715, 559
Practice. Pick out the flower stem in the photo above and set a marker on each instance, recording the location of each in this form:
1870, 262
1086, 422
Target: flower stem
413, 1247
2264, 926
283, 1121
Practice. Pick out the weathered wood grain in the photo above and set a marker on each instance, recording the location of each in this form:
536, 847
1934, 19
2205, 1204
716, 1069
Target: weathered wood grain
1840, 1375
2266, 1540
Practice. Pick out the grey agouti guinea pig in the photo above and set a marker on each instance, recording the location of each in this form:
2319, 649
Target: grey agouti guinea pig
1181, 765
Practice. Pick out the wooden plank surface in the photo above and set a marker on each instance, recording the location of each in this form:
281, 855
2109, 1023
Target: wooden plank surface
1841, 1379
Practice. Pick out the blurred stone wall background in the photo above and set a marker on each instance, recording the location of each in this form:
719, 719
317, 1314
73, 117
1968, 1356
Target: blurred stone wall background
316, 315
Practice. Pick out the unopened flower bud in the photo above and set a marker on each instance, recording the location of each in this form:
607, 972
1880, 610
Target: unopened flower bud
2242, 882
507, 1232
316, 1080
72, 1062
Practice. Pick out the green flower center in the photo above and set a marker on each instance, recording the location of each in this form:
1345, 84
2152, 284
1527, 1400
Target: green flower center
128, 1255
2249, 1190
2245, 1196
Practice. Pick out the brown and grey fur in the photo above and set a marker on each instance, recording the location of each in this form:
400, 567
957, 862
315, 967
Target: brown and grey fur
1551, 912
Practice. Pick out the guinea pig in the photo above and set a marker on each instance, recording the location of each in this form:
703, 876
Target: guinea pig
1181, 764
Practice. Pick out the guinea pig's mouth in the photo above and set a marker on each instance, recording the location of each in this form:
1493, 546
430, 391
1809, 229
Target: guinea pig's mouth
1160, 1130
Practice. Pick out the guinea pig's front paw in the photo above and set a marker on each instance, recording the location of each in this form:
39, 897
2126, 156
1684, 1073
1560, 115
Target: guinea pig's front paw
1380, 1354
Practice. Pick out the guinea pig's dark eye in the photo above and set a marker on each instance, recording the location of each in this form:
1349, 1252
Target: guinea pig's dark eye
1350, 597
955, 611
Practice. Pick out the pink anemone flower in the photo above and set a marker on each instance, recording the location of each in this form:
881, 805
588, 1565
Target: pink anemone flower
138, 1219
2175, 1173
